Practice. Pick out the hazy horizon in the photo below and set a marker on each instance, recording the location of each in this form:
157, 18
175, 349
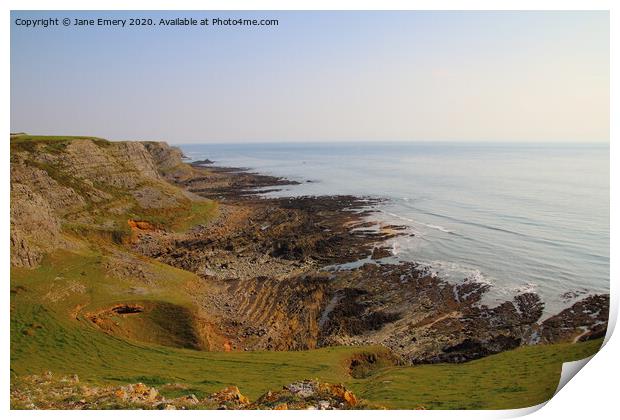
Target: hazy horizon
417, 76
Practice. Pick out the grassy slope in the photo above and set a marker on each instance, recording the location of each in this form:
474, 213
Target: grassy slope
514, 379
45, 335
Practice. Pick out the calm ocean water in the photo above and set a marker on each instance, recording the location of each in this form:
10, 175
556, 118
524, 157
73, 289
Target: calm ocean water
520, 217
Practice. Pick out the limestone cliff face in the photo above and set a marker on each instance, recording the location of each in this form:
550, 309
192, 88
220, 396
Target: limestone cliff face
59, 183
34, 226
168, 161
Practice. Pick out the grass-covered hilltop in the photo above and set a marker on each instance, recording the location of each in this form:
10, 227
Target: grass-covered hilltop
141, 281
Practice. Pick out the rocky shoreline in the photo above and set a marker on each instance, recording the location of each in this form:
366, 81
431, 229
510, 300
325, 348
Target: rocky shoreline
272, 268
270, 273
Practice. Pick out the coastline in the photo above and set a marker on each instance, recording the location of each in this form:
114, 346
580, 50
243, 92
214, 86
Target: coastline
144, 260
510, 230
320, 264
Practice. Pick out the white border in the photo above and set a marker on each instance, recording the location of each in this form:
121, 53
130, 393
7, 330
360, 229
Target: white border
592, 395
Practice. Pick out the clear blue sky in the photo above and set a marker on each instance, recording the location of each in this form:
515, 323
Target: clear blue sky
318, 76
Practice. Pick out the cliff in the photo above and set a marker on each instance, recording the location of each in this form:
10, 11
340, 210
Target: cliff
61, 185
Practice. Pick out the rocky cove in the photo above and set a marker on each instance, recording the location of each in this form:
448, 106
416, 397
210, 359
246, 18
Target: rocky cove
273, 272
280, 288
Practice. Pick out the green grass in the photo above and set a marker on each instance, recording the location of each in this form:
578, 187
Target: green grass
178, 219
44, 336
199, 212
22, 138
519, 378
51, 144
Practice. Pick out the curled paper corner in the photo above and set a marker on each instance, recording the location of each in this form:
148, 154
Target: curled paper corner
521, 412
613, 316
570, 369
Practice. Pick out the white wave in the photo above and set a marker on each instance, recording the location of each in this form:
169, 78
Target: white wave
525, 288
441, 228
448, 269
398, 216
403, 245
407, 219
395, 248
478, 277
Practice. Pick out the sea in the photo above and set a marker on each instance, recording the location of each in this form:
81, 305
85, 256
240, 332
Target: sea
520, 217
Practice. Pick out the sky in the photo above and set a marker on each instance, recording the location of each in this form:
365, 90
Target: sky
317, 77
